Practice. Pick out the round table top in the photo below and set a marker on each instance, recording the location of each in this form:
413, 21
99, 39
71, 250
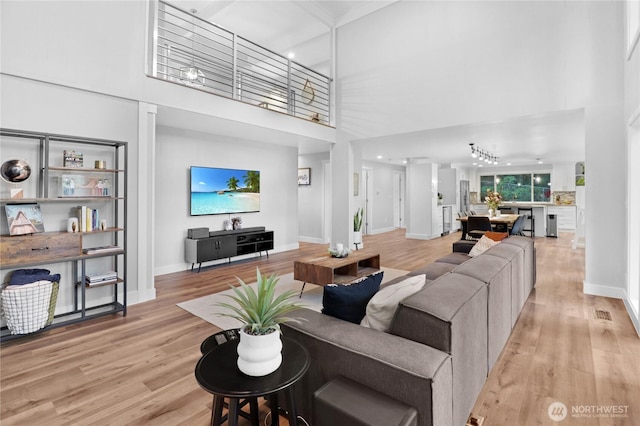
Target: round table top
217, 371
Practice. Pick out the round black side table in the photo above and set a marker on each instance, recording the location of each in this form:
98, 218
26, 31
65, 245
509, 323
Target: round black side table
217, 372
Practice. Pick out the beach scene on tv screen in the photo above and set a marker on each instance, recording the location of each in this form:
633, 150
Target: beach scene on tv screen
217, 191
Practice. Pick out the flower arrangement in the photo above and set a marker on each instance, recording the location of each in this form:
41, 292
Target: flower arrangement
493, 199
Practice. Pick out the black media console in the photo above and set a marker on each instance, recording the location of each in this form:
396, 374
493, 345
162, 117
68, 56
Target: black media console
203, 246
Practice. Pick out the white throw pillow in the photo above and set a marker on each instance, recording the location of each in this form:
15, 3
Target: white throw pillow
483, 244
383, 304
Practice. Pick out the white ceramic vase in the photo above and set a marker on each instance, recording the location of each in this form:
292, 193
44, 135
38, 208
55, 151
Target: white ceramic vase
259, 355
492, 213
357, 236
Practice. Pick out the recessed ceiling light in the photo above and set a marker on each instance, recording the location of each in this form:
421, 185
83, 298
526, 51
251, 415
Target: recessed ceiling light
404, 161
508, 164
475, 164
539, 161
479, 165
291, 55
379, 157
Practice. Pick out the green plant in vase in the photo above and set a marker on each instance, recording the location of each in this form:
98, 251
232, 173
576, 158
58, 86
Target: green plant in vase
261, 312
357, 226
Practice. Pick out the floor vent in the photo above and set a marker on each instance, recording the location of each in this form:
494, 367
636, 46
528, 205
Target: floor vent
474, 420
603, 315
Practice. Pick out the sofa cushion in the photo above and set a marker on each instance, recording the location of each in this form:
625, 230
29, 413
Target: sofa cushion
433, 270
383, 305
481, 246
349, 302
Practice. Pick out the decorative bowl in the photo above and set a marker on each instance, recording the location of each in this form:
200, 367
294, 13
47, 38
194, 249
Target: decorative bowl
338, 253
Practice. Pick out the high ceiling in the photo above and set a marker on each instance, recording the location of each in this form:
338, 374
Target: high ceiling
304, 27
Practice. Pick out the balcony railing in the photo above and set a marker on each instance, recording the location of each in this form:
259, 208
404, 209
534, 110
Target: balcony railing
191, 51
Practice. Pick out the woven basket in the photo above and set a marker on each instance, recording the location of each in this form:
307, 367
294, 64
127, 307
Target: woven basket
29, 307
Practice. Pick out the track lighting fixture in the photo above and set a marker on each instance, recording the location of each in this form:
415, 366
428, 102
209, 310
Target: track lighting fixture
483, 155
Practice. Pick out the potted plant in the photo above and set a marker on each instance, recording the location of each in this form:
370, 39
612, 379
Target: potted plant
357, 226
261, 312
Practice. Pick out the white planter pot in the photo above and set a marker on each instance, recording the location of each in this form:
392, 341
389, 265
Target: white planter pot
357, 236
259, 355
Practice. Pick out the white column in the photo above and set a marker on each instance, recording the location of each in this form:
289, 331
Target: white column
146, 200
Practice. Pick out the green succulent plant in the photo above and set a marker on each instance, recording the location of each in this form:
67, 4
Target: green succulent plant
357, 220
260, 309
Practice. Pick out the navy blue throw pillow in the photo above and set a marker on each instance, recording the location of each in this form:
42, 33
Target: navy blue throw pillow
349, 302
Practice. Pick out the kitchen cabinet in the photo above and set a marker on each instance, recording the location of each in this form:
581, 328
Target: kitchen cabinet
566, 217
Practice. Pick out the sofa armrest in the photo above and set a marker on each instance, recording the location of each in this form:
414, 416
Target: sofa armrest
415, 374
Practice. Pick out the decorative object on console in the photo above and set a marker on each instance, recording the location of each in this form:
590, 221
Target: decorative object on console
226, 225
349, 302
236, 222
15, 171
24, 219
100, 164
357, 226
304, 176
261, 312
339, 251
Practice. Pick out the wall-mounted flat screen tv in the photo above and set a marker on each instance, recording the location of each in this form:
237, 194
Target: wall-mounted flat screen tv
222, 191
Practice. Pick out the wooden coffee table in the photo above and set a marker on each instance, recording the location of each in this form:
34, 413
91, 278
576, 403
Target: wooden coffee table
323, 270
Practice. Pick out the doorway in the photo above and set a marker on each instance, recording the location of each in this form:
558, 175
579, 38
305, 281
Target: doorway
398, 200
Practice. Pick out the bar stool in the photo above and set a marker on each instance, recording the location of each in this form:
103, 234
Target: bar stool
531, 220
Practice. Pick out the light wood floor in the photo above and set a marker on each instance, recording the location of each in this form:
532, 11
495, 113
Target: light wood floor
139, 369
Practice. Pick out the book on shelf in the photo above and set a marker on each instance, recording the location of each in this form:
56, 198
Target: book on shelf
73, 159
88, 219
102, 249
101, 278
104, 282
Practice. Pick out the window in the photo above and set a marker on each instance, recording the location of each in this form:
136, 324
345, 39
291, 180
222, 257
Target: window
525, 187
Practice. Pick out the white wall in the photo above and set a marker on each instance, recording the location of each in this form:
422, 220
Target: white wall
311, 199
632, 118
178, 149
438, 64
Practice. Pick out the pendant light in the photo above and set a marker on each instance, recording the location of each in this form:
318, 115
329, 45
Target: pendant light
192, 76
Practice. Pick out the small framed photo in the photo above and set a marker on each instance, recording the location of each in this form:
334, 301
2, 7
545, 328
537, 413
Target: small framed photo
304, 176
24, 219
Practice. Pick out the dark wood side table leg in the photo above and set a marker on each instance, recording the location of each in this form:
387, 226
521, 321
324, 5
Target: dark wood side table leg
273, 402
232, 416
293, 414
216, 410
253, 409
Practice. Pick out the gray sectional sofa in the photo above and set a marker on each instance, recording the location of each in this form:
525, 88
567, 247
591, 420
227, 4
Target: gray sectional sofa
443, 340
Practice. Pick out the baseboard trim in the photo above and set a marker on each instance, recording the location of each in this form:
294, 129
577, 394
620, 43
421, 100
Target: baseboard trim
602, 290
313, 240
422, 236
382, 231
633, 315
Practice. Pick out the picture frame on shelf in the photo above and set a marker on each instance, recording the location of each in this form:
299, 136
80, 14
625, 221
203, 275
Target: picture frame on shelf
24, 219
304, 176
73, 160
